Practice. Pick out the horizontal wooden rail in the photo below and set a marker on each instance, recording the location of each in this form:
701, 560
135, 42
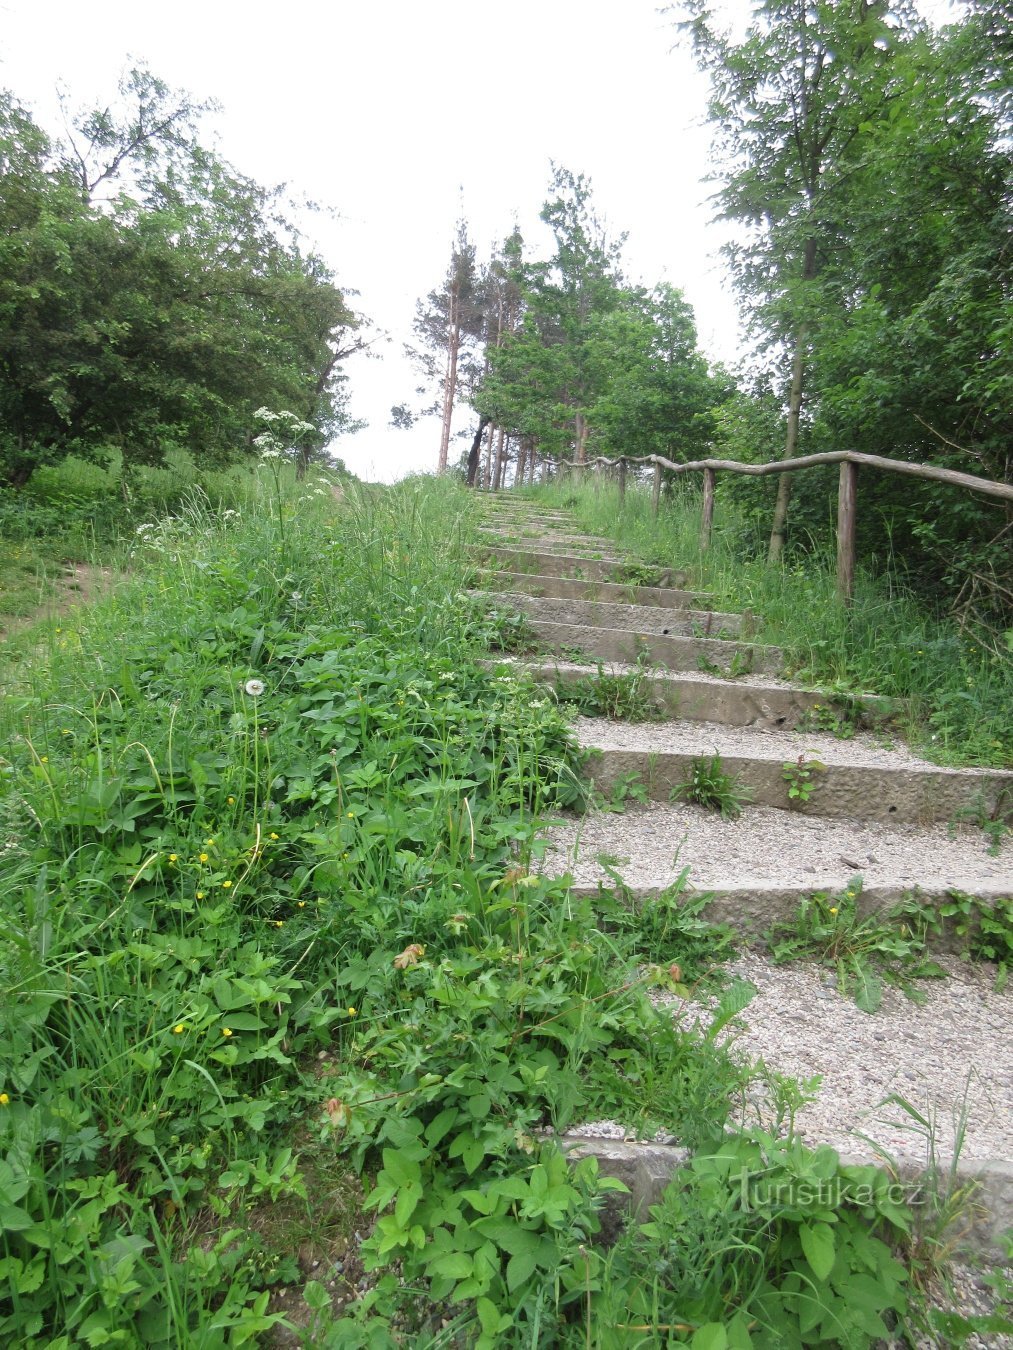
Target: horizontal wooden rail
849, 461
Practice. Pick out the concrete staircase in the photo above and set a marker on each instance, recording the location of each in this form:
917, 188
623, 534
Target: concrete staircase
817, 810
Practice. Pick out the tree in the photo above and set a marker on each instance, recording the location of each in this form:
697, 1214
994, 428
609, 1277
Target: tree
163, 316
448, 324
793, 105
655, 394
582, 361
582, 284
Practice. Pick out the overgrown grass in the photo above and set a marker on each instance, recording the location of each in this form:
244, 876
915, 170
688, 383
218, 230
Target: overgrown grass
956, 682
268, 920
81, 512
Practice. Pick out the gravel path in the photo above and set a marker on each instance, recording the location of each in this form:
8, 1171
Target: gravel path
650, 845
757, 681
952, 1054
708, 738
950, 1057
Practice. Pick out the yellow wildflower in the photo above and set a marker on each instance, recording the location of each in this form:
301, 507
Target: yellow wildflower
226, 1031
178, 1029
202, 857
351, 1011
200, 895
173, 857
4, 1099
226, 885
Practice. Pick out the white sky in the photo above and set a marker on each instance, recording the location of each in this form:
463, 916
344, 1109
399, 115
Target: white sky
395, 113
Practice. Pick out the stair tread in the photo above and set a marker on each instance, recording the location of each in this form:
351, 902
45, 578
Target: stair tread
678, 737
613, 614
539, 665
767, 849
667, 597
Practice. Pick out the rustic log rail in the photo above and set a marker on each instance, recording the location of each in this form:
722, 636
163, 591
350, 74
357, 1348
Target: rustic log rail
847, 495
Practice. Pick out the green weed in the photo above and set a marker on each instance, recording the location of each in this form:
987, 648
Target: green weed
800, 778
709, 785
621, 695
863, 950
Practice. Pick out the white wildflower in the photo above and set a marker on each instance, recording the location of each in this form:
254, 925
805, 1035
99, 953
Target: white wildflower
254, 688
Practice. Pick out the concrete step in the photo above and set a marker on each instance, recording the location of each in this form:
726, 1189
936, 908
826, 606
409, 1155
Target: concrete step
759, 867
606, 614
538, 535
751, 701
715, 655
569, 588
553, 564
860, 778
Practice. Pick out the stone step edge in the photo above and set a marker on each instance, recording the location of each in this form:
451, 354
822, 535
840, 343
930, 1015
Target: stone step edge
647, 1167
542, 559
751, 908
702, 618
921, 794
616, 592
619, 645
880, 706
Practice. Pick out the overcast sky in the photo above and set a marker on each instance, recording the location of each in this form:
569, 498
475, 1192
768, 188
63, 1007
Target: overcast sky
399, 113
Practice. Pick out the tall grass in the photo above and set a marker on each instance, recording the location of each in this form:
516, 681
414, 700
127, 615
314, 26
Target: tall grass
233, 789
957, 683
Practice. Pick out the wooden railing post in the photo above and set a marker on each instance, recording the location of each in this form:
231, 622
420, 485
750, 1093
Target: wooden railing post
846, 504
707, 518
656, 494
622, 482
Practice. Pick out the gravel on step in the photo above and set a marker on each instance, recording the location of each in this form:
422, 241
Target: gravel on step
710, 738
617, 668
951, 1057
650, 845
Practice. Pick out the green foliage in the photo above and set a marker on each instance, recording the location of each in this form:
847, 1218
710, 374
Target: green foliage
162, 316
866, 162
800, 778
864, 950
708, 785
760, 1243
264, 879
984, 931
670, 928
623, 695
840, 718
579, 360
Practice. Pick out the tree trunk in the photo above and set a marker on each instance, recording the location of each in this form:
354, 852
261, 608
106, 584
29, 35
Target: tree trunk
522, 462
450, 380
779, 526
476, 450
487, 463
497, 480
581, 428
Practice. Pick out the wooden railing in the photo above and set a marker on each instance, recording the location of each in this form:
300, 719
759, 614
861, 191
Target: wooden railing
847, 498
